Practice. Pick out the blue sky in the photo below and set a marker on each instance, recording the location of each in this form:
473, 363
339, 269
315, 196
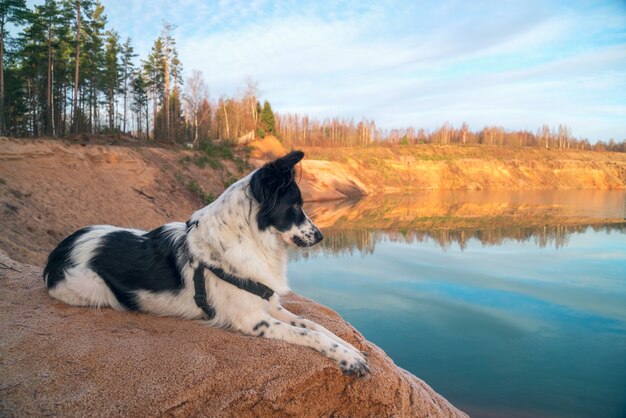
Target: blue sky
407, 63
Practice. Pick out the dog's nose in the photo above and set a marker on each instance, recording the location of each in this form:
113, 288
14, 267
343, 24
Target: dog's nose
318, 235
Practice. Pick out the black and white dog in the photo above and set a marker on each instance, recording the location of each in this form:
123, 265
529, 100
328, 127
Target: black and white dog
226, 265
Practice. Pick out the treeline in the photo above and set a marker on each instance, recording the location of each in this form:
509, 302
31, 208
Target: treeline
300, 131
66, 73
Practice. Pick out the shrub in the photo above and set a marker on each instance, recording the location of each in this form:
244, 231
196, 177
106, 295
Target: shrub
193, 186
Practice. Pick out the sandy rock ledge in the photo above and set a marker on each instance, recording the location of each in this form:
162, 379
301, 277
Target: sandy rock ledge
57, 360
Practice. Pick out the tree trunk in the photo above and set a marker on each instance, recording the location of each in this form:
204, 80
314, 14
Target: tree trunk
166, 113
76, 73
52, 112
64, 111
49, 113
154, 112
226, 117
2, 123
195, 136
125, 98
91, 104
111, 109
147, 122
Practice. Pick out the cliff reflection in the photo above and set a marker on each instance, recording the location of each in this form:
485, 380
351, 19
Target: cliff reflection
454, 218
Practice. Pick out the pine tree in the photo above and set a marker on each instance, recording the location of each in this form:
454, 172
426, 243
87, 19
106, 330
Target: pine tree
140, 102
268, 123
82, 9
127, 69
93, 64
32, 64
111, 74
75, 116
53, 20
176, 69
15, 12
153, 74
62, 68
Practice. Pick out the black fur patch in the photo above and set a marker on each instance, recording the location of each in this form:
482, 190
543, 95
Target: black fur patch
273, 186
128, 262
260, 324
59, 258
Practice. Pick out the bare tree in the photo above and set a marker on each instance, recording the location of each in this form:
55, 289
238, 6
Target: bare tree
196, 92
250, 99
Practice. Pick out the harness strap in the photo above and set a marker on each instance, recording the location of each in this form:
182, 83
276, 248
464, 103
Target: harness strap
248, 285
200, 295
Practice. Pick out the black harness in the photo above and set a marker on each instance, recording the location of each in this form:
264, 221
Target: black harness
200, 297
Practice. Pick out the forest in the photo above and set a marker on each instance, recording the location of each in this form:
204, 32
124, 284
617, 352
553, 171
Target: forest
64, 72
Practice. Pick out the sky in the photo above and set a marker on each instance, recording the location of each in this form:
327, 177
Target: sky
516, 64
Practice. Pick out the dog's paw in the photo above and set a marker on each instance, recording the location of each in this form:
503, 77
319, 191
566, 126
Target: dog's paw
354, 364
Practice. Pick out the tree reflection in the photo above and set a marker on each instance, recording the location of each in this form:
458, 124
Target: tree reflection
363, 241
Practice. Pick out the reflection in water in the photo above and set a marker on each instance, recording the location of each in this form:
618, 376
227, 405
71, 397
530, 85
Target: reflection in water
521, 315
455, 217
453, 209
349, 241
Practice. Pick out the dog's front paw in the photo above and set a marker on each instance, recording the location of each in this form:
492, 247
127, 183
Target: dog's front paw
353, 363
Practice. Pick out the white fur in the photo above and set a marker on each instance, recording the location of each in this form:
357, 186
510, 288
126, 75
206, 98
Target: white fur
83, 287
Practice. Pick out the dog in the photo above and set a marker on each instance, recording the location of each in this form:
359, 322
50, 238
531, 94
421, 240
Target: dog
226, 265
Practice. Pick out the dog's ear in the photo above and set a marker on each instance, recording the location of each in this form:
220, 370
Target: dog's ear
289, 160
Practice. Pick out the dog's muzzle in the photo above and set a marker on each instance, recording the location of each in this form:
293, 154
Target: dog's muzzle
306, 236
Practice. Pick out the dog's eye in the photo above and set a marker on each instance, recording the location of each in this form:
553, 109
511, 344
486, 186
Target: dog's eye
297, 206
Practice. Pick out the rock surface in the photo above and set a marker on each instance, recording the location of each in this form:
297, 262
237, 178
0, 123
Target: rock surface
57, 360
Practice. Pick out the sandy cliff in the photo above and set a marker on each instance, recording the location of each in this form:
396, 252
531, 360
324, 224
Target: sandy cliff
57, 360
430, 167
332, 173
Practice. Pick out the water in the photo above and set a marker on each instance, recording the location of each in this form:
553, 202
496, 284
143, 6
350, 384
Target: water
517, 311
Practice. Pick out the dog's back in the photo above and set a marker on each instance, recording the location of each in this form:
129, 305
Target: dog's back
110, 266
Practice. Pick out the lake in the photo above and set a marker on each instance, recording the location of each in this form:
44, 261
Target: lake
509, 304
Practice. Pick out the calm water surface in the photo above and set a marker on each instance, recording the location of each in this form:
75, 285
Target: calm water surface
514, 320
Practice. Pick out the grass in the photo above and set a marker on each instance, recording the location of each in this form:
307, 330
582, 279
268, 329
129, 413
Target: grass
16, 193
193, 186
229, 181
179, 177
213, 153
186, 160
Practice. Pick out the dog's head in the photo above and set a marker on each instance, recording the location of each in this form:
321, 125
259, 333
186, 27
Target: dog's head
274, 188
